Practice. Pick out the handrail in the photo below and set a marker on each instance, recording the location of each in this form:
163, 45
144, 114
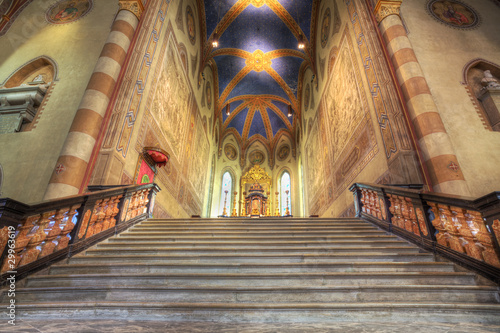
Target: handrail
33, 237
461, 229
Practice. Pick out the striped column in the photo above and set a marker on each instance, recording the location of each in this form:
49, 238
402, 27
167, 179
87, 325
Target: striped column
77, 149
435, 144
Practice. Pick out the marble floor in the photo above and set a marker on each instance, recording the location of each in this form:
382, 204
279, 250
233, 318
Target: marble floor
123, 326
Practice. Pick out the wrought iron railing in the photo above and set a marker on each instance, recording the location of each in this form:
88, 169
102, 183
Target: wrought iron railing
464, 230
34, 236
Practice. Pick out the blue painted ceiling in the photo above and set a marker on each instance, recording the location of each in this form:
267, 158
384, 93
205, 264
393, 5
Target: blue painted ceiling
258, 61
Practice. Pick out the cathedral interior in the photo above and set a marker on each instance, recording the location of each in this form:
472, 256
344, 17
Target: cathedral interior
238, 108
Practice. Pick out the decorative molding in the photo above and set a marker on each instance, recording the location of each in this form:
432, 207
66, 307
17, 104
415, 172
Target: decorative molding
385, 8
134, 6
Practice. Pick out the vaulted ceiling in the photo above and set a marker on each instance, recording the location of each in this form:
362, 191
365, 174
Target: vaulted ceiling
258, 63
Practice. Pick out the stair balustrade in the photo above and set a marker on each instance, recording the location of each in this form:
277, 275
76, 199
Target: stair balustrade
33, 237
464, 230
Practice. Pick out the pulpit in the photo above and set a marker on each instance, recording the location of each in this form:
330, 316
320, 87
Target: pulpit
256, 202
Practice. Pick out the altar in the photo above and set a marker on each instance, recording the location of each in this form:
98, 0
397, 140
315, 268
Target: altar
256, 203
255, 189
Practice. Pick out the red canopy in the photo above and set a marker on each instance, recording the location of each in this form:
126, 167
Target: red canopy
159, 156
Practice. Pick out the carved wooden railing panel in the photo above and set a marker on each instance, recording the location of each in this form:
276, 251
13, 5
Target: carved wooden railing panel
461, 229
50, 231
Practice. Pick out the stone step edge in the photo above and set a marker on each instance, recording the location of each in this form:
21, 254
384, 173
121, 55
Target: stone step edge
257, 255
253, 275
298, 288
264, 306
394, 241
249, 265
208, 248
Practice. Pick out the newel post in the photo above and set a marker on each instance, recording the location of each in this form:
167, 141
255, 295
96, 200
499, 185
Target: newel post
152, 196
356, 192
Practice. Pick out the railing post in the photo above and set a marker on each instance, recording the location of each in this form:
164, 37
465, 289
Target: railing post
83, 220
152, 196
356, 192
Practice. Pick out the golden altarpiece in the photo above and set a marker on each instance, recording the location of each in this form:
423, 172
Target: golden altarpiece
255, 188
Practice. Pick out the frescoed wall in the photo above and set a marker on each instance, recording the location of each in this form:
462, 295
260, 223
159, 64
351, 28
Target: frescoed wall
71, 50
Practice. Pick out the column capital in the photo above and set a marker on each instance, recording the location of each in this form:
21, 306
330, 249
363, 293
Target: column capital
386, 8
134, 6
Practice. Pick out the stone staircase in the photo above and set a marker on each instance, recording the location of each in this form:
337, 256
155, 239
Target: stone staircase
258, 270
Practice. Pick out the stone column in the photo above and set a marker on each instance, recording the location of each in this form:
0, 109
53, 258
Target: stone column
77, 149
435, 144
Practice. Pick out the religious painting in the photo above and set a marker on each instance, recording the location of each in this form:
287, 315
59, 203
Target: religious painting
172, 101
198, 160
208, 92
453, 13
230, 152
191, 26
325, 27
67, 11
314, 158
343, 102
283, 152
307, 96
256, 157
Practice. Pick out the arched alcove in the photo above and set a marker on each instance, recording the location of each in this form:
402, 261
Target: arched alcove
482, 79
23, 94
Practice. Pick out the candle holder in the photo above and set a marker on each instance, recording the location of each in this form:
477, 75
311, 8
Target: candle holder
287, 212
244, 210
235, 211
224, 211
268, 209
277, 213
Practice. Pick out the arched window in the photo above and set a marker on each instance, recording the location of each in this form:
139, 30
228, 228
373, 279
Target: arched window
227, 185
286, 197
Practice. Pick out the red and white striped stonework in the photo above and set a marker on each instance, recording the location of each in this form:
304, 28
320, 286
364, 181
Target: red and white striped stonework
84, 130
442, 164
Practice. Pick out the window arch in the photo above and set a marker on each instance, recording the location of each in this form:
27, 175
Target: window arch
226, 185
286, 194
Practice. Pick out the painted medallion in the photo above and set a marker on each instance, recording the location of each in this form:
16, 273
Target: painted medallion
230, 151
453, 13
325, 27
283, 152
307, 96
191, 27
67, 11
256, 157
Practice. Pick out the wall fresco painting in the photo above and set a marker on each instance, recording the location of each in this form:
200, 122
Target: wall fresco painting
343, 102
342, 137
172, 102
199, 158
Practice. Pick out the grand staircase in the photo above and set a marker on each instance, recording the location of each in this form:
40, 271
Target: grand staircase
258, 270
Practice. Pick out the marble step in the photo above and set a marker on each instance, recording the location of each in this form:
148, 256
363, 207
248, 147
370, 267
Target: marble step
255, 279
274, 221
296, 294
125, 251
367, 232
262, 239
255, 258
148, 227
276, 245
266, 312
252, 268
